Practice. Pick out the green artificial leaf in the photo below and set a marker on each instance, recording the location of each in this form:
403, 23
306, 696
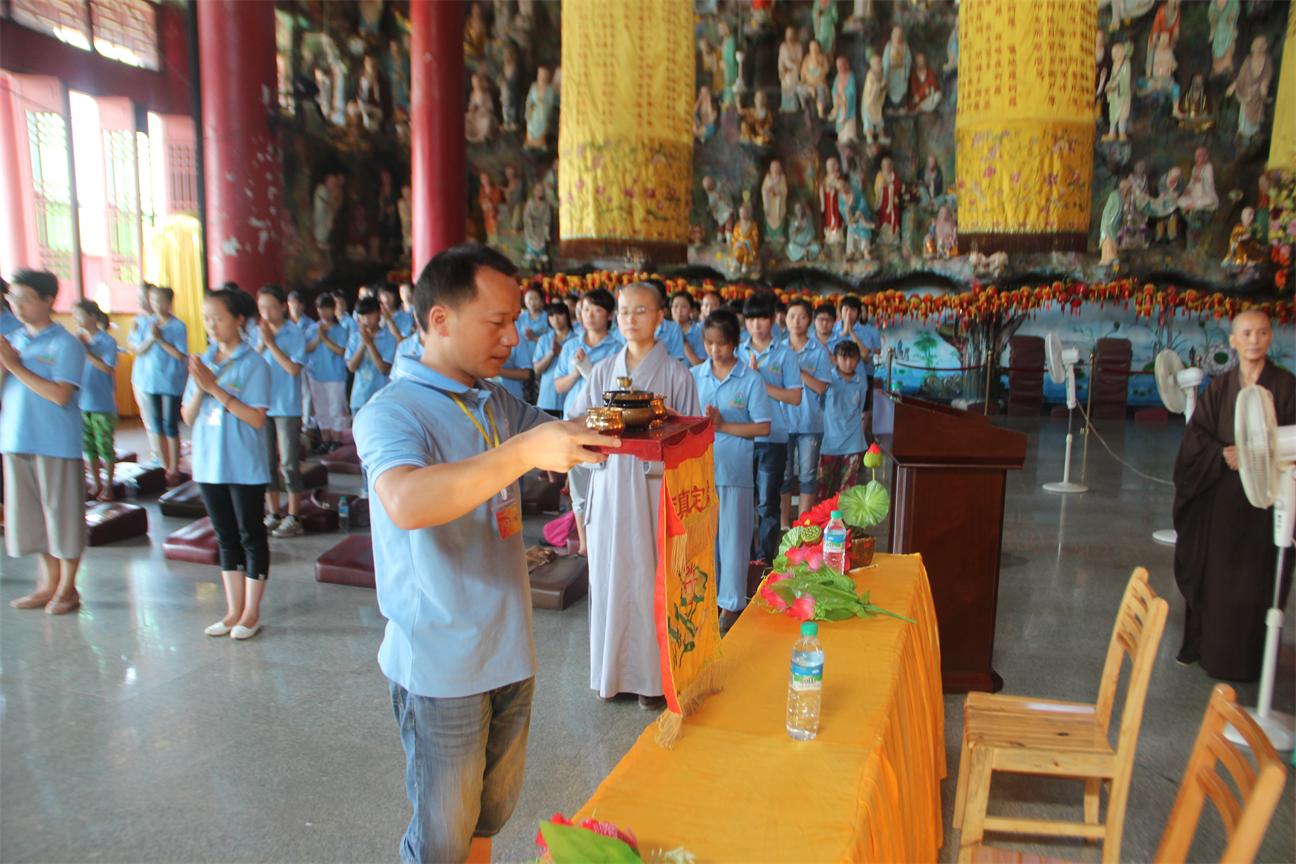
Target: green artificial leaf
567, 843
864, 506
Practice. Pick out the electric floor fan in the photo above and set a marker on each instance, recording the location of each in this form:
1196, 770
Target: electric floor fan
1266, 454
1061, 368
1177, 386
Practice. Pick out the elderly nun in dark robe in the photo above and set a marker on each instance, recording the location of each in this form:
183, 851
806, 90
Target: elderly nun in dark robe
1225, 554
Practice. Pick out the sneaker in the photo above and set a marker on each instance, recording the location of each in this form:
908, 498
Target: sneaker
271, 521
291, 526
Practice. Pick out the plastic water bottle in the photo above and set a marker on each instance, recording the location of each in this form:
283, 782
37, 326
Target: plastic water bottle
805, 685
344, 512
834, 543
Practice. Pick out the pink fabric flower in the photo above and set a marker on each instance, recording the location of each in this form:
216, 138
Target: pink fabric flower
770, 596
777, 577
803, 608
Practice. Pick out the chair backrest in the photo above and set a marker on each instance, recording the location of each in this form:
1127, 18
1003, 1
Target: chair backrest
1140, 622
1245, 814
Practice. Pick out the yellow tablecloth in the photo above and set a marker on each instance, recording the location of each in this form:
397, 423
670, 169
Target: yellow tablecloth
737, 788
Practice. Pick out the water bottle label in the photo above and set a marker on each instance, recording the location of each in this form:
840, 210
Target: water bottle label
807, 677
835, 539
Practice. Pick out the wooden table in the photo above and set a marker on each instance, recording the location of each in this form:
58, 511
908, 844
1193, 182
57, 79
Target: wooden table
737, 788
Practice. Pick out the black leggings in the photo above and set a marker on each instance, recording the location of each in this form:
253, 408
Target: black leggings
236, 511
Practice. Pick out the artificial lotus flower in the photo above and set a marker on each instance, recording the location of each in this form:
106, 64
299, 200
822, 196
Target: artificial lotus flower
803, 608
772, 599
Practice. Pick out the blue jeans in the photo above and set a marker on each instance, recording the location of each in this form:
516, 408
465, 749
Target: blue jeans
164, 412
771, 461
802, 473
463, 766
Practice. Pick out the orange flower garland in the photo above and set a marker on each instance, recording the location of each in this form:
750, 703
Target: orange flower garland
982, 303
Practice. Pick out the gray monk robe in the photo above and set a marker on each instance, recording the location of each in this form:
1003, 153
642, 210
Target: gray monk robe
621, 524
1225, 555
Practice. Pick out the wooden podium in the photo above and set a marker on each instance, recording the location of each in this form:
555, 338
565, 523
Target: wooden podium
947, 488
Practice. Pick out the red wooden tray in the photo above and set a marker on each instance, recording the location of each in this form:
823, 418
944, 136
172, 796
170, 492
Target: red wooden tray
650, 444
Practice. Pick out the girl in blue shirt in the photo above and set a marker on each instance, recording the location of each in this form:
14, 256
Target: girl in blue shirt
8, 322
805, 429
98, 401
545, 359
40, 438
225, 404
690, 333
161, 352
845, 397
282, 345
326, 371
736, 402
369, 354
534, 320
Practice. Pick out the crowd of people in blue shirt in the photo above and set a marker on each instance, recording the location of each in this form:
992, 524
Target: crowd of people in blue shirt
787, 384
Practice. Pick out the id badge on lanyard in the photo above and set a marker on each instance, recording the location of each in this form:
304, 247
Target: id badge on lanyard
506, 506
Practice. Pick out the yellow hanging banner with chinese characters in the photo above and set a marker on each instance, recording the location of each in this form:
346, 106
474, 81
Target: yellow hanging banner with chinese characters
1282, 143
1025, 123
688, 630
625, 134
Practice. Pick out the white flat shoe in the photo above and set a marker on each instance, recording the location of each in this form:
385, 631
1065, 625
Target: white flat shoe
220, 628
241, 632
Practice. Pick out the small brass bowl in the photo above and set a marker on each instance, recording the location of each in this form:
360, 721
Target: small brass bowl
608, 421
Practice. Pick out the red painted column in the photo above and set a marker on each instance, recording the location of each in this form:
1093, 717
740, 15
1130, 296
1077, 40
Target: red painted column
14, 252
439, 157
242, 166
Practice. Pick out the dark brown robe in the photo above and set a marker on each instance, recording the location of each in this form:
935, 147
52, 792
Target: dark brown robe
1225, 555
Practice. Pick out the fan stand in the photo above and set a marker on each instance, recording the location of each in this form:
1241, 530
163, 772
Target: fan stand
1277, 725
1066, 487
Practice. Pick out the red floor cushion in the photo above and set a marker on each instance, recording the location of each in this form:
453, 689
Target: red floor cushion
348, 563
560, 583
195, 543
119, 488
184, 501
314, 476
141, 479
344, 460
358, 507
108, 523
316, 519
540, 495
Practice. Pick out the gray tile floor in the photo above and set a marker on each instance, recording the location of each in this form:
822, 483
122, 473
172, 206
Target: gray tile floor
126, 735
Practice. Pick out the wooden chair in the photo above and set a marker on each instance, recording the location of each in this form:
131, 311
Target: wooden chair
1022, 735
1245, 815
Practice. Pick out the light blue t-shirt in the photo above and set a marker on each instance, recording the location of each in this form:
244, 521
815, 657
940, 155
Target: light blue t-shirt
741, 398
843, 415
285, 389
777, 366
868, 336
31, 424
457, 599
404, 322
99, 389
349, 327
566, 361
8, 321
409, 345
323, 364
538, 324
519, 358
156, 372
668, 334
368, 379
695, 341
549, 398
814, 360
225, 449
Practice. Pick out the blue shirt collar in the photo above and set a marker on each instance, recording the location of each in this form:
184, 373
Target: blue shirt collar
739, 370
214, 348
410, 367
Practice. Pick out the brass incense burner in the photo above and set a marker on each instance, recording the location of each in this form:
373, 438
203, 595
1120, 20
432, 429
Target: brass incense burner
627, 408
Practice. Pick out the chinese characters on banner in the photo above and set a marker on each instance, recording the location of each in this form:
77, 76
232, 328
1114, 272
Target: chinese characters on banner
625, 134
1025, 126
688, 629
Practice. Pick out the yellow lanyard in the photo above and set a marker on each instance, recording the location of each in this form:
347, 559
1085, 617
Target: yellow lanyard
489, 416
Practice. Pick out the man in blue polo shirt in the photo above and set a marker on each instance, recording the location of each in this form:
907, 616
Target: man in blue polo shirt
443, 449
